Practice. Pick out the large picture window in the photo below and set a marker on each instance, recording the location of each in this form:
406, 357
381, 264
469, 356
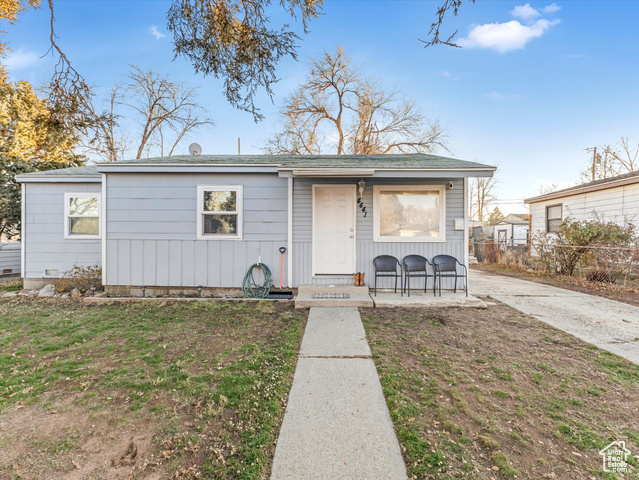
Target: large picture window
553, 218
82, 215
219, 212
409, 213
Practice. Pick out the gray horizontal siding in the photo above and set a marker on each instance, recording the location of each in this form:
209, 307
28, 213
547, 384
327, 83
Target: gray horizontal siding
188, 262
366, 248
44, 242
152, 230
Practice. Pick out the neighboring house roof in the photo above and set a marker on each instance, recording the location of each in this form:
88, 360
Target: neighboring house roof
513, 222
514, 217
311, 165
603, 184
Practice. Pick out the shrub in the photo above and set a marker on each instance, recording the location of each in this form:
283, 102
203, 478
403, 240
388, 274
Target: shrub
603, 246
81, 278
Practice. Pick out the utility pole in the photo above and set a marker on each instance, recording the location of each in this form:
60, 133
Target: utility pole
594, 161
239, 145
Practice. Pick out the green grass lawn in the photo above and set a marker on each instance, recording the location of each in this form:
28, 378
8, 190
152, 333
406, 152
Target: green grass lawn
493, 394
200, 387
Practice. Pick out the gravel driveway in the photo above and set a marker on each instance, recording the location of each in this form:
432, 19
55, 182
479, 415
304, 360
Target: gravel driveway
608, 324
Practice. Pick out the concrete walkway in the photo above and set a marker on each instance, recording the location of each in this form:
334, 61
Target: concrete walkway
608, 324
337, 424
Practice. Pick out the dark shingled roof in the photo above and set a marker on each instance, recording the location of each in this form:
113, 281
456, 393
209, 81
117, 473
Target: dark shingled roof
577, 189
413, 160
86, 171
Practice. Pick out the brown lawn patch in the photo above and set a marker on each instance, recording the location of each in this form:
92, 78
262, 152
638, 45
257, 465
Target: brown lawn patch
492, 394
141, 390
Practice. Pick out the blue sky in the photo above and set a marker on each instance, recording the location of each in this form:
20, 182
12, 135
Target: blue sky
534, 86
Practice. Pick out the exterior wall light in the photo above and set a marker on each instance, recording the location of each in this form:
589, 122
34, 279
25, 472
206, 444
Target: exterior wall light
360, 186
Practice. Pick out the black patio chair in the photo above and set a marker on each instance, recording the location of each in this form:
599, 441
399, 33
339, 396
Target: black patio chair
416, 266
386, 266
446, 267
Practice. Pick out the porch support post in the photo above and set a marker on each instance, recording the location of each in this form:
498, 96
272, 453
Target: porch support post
466, 239
289, 247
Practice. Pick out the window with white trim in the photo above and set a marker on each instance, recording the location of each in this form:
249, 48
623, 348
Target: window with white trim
82, 215
409, 213
553, 218
219, 213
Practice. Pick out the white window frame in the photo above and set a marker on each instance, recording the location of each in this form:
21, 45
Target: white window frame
83, 236
440, 189
239, 211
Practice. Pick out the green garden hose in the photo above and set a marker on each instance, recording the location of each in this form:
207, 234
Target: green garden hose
250, 288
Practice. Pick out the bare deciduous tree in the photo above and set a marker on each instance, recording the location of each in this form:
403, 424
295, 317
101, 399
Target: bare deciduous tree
337, 102
232, 39
481, 196
166, 111
612, 160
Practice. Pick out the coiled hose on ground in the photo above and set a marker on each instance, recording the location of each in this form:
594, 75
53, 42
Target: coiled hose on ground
250, 288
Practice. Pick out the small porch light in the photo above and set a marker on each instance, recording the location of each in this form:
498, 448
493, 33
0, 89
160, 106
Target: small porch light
143, 291
199, 291
360, 185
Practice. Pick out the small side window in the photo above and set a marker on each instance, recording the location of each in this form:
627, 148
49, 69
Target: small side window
553, 218
82, 215
219, 212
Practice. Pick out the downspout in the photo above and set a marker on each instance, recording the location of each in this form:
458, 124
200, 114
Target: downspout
466, 224
103, 228
23, 229
289, 259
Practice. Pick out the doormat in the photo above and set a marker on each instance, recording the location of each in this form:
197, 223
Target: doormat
331, 295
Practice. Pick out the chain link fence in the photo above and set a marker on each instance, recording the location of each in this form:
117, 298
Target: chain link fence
593, 262
10, 259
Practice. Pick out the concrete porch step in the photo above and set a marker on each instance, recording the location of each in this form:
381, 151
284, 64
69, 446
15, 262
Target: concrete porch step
316, 288
306, 300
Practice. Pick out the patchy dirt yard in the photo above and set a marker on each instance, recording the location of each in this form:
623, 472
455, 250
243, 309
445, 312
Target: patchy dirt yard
493, 394
628, 293
132, 391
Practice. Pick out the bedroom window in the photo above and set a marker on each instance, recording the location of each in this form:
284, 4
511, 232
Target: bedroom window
82, 215
553, 218
409, 213
219, 212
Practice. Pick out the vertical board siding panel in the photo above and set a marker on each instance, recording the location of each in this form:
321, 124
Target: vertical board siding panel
162, 262
175, 263
188, 263
137, 262
112, 260
201, 263
214, 264
150, 263
124, 262
228, 267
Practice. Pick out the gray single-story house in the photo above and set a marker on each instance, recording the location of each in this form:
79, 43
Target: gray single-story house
188, 221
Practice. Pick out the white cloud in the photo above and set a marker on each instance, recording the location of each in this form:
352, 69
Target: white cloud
153, 29
20, 59
446, 74
507, 36
525, 12
552, 8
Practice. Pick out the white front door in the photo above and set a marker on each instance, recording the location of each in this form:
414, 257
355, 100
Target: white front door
333, 229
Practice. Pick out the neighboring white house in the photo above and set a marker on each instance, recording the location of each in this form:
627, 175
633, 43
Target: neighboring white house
614, 199
511, 232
